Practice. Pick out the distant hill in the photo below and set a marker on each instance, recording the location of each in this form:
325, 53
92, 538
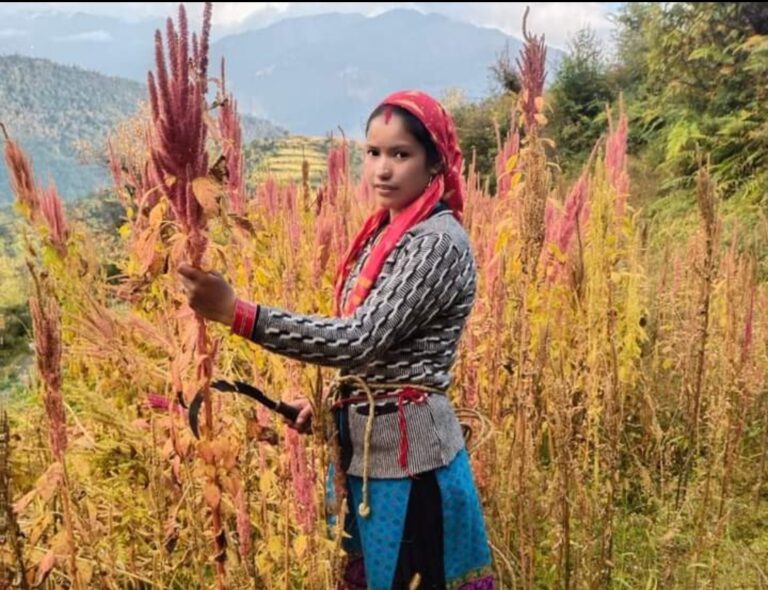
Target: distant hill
111, 46
309, 74
52, 110
314, 74
49, 108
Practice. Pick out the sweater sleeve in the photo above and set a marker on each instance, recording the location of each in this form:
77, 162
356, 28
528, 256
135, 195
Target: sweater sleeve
428, 273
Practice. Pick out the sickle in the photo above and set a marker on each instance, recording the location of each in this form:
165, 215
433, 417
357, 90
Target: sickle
242, 388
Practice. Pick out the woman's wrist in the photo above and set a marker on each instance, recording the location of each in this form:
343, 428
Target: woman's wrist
244, 318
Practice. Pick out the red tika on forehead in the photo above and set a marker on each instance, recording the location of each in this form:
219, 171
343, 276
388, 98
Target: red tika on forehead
387, 114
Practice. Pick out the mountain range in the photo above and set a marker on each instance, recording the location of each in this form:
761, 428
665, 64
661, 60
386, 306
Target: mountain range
310, 75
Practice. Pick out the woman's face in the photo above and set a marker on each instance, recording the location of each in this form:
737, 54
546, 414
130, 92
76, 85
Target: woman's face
395, 165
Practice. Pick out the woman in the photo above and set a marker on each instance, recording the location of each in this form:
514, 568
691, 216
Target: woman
404, 291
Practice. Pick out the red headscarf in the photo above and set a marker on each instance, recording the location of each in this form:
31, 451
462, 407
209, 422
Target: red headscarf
446, 186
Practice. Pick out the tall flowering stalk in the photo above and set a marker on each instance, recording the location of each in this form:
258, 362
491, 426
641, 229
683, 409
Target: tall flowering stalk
178, 148
46, 325
323, 241
561, 229
41, 208
21, 177
614, 334
338, 168
305, 190
533, 74
137, 189
232, 147
616, 158
53, 214
334, 197
303, 479
178, 135
530, 189
507, 171
178, 132
706, 197
268, 196
533, 160
131, 171
43, 211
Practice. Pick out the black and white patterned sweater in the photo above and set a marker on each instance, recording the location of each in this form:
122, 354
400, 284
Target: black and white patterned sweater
406, 331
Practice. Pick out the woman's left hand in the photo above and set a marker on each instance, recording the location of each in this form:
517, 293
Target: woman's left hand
209, 294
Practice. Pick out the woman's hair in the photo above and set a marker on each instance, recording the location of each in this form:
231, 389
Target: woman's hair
416, 128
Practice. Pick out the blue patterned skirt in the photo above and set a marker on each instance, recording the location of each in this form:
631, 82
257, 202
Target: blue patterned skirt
456, 532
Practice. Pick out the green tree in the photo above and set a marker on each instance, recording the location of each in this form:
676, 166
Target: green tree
579, 94
479, 124
476, 127
696, 74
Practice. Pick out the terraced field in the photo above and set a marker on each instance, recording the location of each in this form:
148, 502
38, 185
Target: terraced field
283, 158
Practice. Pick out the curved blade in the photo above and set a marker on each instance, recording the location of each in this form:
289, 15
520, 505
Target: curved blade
258, 395
223, 385
244, 389
194, 413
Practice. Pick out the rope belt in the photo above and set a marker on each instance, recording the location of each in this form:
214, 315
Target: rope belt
407, 392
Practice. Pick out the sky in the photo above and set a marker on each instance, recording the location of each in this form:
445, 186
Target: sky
558, 21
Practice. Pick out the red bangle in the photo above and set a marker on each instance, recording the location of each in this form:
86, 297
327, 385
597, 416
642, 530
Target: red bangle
244, 319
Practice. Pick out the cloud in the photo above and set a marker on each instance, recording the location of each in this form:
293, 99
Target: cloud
127, 11
229, 14
97, 36
558, 21
12, 33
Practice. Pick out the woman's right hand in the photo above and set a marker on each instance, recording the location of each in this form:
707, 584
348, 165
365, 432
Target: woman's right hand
304, 419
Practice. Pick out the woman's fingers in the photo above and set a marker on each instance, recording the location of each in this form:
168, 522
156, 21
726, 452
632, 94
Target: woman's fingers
190, 278
189, 272
304, 415
208, 294
302, 422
